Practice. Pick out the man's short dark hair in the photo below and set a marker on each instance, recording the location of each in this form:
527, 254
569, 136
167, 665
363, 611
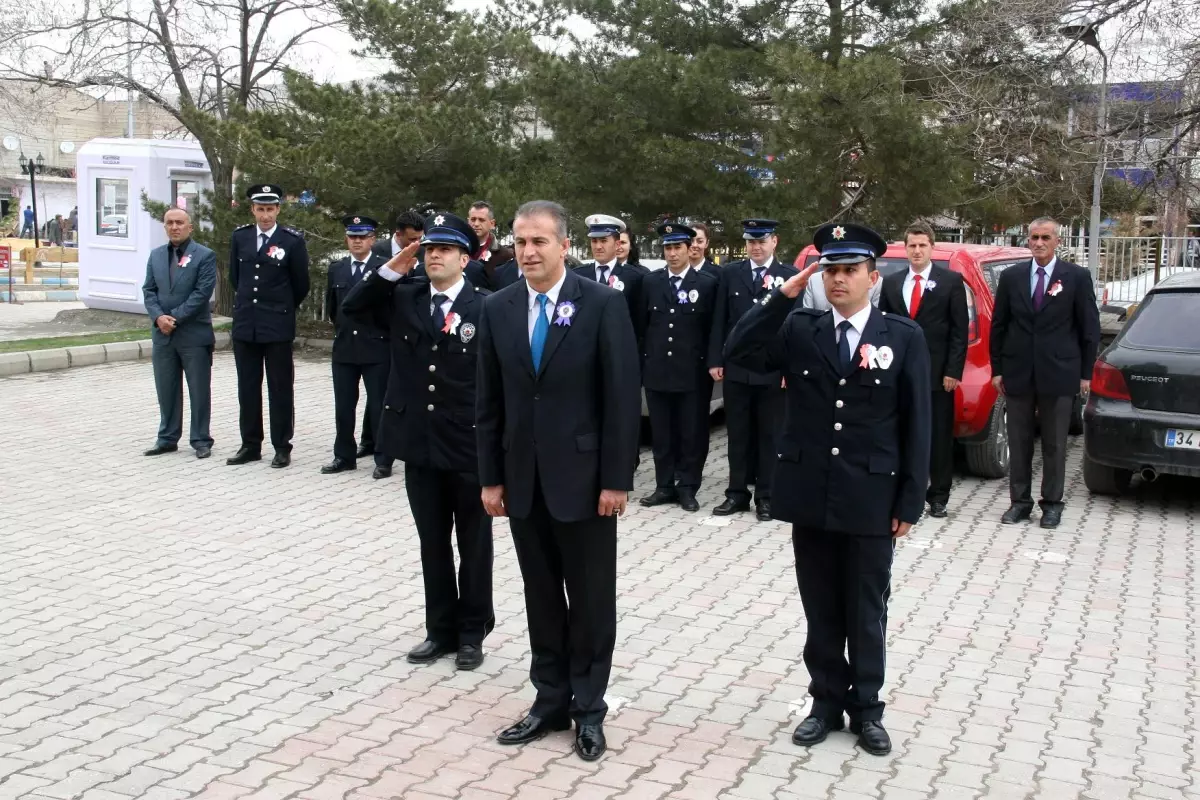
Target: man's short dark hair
410, 219
478, 204
919, 229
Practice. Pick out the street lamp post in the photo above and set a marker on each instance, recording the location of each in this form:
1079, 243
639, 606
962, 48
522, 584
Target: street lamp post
1088, 34
33, 167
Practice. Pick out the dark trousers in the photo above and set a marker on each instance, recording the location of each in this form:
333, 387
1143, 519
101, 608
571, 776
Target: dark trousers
171, 363
676, 441
753, 415
345, 407
1053, 414
941, 447
250, 358
572, 636
703, 420
458, 609
845, 582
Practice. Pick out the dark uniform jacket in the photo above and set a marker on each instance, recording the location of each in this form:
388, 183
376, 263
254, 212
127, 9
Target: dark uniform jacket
737, 293
269, 284
574, 424
361, 339
505, 274
942, 315
675, 334
429, 408
709, 268
854, 453
1048, 351
626, 279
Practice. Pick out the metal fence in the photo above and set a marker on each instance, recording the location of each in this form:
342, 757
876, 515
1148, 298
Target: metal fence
1131, 265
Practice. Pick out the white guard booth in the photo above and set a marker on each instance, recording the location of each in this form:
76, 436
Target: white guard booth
116, 234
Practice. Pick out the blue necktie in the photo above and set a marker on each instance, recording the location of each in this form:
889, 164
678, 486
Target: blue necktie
844, 344
541, 328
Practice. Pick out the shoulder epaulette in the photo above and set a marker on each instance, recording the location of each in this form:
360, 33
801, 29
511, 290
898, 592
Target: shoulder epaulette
900, 318
292, 231
243, 227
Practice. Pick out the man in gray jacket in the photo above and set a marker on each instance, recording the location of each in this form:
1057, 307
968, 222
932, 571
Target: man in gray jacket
180, 277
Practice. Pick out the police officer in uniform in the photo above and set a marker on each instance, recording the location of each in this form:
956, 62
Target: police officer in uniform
853, 467
753, 399
429, 424
268, 270
604, 236
360, 352
676, 307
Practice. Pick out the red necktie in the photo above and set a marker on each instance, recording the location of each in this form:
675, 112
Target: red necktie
914, 302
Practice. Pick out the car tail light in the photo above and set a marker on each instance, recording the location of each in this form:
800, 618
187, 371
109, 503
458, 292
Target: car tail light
1108, 382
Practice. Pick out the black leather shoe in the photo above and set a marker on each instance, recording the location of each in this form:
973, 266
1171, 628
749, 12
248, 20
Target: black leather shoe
427, 652
873, 738
589, 741
281, 460
531, 729
203, 452
381, 472
364, 451
660, 497
1051, 517
1015, 514
469, 657
244, 455
813, 730
762, 510
731, 507
937, 510
337, 465
159, 449
687, 501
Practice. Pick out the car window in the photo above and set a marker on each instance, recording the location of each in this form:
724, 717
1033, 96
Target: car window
992, 270
1166, 320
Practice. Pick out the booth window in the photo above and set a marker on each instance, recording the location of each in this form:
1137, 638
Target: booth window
186, 195
112, 207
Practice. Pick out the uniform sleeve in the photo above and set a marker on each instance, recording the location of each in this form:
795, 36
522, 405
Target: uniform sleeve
915, 420
233, 263
298, 271
331, 308
489, 406
716, 341
756, 343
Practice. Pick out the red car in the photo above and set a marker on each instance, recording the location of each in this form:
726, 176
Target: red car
979, 415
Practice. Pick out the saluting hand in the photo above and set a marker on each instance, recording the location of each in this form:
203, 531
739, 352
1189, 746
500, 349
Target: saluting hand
403, 262
612, 502
794, 285
493, 496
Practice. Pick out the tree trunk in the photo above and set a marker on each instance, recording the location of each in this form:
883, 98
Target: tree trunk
222, 202
837, 32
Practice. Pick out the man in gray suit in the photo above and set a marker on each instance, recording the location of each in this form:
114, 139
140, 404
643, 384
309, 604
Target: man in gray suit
180, 277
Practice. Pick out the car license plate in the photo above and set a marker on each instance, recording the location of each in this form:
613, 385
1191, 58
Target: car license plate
1189, 440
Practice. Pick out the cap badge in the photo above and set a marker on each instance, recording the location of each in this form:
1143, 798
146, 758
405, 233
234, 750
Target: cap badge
357, 220
839, 233
266, 188
439, 220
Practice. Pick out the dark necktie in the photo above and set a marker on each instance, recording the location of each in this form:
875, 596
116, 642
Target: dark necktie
676, 282
1039, 291
603, 274
759, 272
439, 318
844, 344
356, 269
262, 240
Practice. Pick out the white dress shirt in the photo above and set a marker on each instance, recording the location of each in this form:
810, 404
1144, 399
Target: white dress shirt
910, 280
396, 247
553, 301
610, 266
858, 323
451, 296
671, 276
258, 234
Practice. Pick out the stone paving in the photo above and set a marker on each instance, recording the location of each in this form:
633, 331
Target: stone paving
173, 629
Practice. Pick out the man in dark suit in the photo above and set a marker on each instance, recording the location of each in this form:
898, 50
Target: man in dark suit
506, 275
753, 400
1045, 335
429, 424
490, 252
936, 299
408, 228
268, 270
853, 467
180, 277
603, 236
675, 314
360, 353
558, 413
698, 252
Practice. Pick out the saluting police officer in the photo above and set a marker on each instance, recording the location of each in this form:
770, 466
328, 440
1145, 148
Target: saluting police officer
604, 234
753, 399
360, 352
675, 310
268, 270
429, 424
853, 467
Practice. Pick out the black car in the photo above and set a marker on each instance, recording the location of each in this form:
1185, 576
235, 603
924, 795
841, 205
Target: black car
1143, 415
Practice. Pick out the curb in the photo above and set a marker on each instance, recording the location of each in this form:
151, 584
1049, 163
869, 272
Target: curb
24, 363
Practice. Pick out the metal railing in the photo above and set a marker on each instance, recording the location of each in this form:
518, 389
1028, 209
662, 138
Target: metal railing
1131, 265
